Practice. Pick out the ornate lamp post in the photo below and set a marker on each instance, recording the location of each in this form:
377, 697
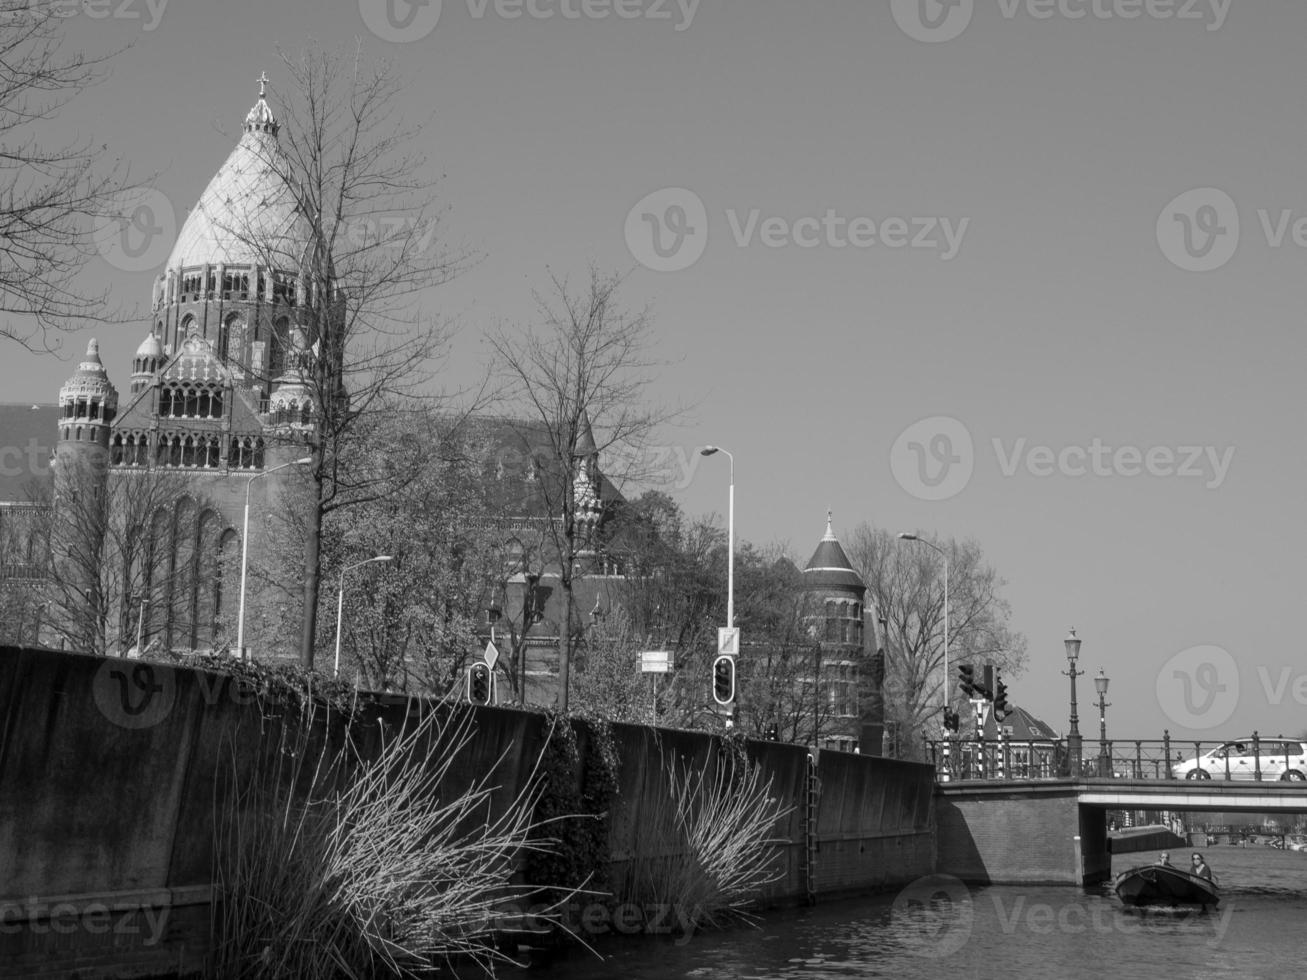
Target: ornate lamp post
1104, 759
1073, 741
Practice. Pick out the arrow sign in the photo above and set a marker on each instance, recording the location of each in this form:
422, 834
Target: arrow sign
492, 654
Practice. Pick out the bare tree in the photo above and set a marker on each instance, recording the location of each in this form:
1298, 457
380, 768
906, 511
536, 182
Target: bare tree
360, 198
905, 582
580, 376
50, 196
113, 539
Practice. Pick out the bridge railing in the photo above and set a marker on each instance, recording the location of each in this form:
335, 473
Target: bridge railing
1257, 759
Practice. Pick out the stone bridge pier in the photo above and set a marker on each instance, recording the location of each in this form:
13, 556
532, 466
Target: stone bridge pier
1021, 833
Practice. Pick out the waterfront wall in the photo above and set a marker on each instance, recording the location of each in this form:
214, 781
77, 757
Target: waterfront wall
107, 788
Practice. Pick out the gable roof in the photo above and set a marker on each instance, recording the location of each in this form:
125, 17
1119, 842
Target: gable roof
195, 360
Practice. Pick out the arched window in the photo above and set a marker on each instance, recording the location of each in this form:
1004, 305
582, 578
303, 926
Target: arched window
277, 348
116, 451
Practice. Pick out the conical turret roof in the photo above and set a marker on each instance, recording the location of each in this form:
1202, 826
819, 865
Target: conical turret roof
829, 566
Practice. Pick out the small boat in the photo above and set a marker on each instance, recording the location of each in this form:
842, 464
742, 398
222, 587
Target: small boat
1162, 884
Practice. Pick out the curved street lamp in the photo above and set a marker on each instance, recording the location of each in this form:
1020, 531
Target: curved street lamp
340, 601
730, 534
245, 548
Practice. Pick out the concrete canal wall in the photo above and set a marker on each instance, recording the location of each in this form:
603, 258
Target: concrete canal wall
107, 787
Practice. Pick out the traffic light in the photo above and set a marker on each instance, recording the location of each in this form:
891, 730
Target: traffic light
951, 720
967, 680
1001, 707
772, 734
987, 682
723, 679
478, 684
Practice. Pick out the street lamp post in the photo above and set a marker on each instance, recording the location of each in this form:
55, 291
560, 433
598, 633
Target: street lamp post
730, 534
340, 602
245, 548
1073, 740
1104, 758
908, 536
730, 560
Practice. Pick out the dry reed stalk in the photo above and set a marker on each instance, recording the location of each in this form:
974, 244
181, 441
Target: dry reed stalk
332, 865
708, 847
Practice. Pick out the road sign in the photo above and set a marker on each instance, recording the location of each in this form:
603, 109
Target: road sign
492, 654
728, 640
656, 661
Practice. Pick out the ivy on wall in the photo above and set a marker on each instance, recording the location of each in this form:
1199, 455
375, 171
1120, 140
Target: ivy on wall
577, 790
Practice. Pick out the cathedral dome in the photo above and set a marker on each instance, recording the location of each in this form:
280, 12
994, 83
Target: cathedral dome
247, 215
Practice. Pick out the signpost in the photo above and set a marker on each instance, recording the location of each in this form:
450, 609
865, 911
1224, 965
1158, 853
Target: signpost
653, 663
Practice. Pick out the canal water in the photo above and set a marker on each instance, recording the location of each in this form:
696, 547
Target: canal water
940, 928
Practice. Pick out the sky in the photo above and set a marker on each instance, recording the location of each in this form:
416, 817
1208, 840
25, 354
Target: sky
1021, 271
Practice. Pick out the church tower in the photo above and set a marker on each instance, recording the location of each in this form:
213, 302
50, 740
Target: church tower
834, 611
88, 403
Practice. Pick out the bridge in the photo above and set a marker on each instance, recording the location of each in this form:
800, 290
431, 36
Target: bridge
1033, 813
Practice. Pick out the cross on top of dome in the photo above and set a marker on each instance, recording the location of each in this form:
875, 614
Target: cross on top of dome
259, 118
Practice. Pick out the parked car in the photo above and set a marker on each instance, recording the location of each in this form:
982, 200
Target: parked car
1279, 759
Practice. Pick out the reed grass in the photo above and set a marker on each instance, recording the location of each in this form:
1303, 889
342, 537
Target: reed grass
708, 847
329, 864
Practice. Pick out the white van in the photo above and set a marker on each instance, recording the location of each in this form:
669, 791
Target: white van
1280, 759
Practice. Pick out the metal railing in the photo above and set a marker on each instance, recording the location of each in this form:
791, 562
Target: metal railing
1255, 758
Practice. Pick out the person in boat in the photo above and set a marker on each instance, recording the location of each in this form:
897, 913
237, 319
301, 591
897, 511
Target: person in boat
1165, 859
1200, 868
